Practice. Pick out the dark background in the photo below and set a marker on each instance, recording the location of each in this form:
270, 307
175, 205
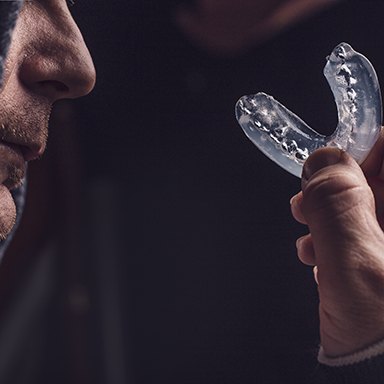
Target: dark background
183, 268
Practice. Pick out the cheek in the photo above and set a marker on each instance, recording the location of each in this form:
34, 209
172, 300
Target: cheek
23, 37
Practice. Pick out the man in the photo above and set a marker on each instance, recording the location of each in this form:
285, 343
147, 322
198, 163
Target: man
47, 61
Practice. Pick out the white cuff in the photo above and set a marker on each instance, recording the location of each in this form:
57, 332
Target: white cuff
357, 357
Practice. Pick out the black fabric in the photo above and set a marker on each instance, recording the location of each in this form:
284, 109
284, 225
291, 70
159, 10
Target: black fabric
369, 371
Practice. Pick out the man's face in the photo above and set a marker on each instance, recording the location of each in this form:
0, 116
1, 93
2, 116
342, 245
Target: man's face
47, 61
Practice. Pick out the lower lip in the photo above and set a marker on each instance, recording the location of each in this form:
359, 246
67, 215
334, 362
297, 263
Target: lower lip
12, 165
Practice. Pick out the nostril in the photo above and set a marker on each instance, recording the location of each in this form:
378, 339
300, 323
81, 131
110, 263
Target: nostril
58, 86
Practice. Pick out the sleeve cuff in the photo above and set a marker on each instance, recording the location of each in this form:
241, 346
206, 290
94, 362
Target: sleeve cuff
366, 366
357, 357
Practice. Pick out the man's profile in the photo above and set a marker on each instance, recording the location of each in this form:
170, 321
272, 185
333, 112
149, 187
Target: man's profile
44, 59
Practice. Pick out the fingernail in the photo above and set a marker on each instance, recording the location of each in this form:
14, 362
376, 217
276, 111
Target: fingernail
320, 159
316, 274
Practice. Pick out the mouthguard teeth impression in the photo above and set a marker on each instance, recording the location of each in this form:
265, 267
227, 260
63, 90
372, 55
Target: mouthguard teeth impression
288, 141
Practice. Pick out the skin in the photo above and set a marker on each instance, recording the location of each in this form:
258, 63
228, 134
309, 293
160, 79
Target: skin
342, 204
47, 61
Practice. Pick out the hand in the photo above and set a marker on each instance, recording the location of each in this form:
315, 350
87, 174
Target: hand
342, 204
231, 26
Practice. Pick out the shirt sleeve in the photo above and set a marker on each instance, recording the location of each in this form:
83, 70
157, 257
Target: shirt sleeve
363, 367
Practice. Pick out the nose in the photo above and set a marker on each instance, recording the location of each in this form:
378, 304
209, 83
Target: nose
57, 64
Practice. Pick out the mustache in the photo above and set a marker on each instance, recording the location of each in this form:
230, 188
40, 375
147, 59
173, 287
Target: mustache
25, 123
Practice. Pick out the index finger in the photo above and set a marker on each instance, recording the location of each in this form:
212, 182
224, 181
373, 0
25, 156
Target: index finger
373, 165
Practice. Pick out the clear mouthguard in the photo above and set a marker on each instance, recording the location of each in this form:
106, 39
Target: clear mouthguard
288, 141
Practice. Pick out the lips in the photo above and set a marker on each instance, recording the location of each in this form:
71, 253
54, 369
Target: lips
12, 165
30, 148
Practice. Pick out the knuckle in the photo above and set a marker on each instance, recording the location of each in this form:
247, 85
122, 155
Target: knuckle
335, 193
